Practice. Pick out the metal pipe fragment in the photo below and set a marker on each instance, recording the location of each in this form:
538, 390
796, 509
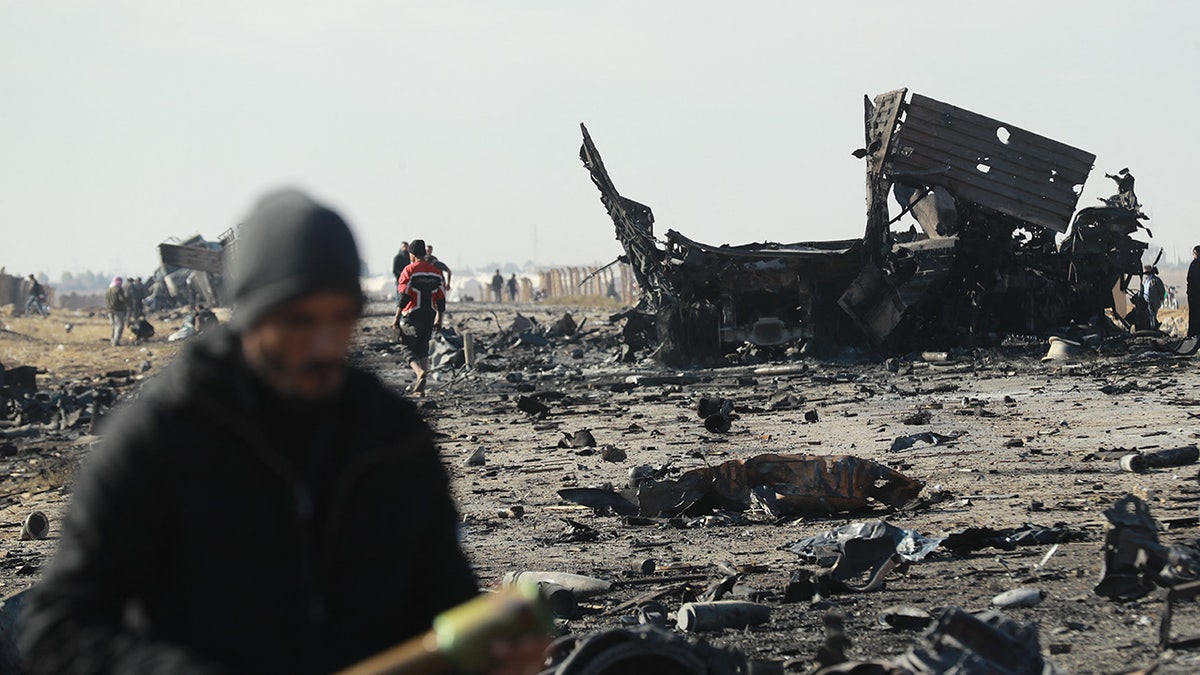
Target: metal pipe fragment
698, 616
562, 601
580, 585
469, 349
1019, 597
1136, 462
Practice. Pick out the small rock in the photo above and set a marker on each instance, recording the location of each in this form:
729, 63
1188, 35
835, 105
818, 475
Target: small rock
580, 439
904, 617
611, 453
917, 417
532, 406
717, 424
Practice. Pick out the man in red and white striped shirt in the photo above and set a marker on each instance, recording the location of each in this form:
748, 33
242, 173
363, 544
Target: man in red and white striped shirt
422, 290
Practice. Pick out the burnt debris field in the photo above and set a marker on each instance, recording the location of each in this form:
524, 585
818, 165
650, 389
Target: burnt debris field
964, 445
855, 502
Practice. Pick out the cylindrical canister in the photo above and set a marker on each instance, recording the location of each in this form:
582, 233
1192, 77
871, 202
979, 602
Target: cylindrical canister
698, 616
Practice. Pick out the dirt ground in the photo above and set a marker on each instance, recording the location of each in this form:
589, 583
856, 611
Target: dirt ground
995, 397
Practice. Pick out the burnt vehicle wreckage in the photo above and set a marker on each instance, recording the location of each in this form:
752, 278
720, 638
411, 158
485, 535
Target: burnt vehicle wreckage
991, 200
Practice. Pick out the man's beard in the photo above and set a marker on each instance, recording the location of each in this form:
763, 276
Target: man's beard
331, 374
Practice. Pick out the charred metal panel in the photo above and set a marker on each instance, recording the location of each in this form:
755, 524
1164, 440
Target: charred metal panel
634, 223
990, 163
192, 257
881, 124
813, 251
873, 302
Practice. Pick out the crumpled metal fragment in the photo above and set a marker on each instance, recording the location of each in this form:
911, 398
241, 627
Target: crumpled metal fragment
857, 547
1134, 560
784, 485
645, 648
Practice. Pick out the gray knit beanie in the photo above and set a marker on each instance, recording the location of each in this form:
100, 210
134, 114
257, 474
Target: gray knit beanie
290, 246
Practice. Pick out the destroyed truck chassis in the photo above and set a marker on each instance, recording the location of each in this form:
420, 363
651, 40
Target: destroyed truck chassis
990, 199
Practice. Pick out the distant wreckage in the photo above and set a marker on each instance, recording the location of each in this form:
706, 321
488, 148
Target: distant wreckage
990, 199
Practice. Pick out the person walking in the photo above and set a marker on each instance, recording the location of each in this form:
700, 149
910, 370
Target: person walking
37, 298
400, 261
117, 303
1153, 292
442, 267
1193, 293
262, 507
497, 286
420, 308
512, 288
137, 295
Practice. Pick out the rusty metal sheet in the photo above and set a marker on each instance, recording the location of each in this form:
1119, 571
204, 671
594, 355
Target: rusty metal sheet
798, 484
191, 257
989, 162
833, 484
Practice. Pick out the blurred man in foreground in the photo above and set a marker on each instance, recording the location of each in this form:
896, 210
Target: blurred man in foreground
263, 507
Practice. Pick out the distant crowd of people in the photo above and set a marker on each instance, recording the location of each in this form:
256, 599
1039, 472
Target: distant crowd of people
127, 301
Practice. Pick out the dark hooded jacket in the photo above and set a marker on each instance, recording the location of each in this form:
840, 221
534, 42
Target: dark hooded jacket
221, 529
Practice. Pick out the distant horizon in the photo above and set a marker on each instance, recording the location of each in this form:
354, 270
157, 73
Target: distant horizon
1169, 259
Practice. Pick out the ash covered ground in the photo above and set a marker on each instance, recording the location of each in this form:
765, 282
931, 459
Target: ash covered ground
1032, 445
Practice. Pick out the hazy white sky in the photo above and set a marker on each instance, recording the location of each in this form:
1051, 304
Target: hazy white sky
123, 123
